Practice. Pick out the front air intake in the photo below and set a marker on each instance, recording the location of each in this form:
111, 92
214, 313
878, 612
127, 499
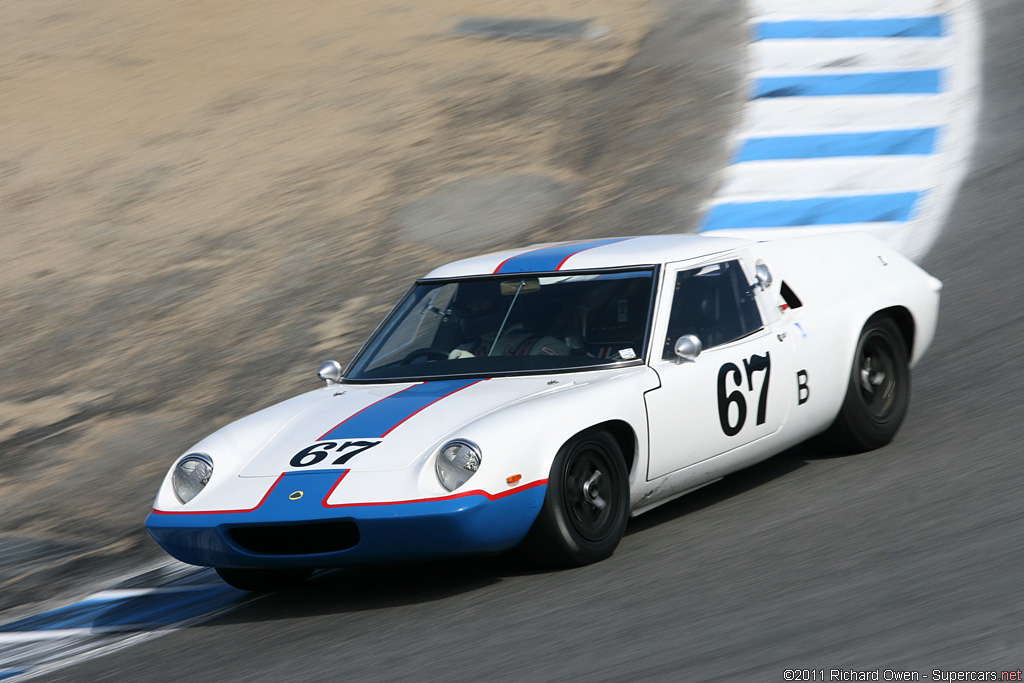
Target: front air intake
296, 539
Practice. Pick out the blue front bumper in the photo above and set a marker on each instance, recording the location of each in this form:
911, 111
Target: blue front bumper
418, 530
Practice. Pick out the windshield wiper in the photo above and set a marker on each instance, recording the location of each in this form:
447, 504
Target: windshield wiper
501, 328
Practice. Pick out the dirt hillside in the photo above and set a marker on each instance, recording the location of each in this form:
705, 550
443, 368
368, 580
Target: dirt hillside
201, 201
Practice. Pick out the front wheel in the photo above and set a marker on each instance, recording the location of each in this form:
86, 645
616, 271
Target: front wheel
877, 395
586, 506
263, 580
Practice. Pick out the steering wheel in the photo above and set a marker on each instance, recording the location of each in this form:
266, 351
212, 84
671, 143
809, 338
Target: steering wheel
429, 352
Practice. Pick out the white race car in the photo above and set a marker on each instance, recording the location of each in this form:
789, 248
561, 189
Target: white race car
539, 397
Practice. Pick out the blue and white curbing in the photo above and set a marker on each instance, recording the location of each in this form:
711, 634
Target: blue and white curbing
861, 116
169, 597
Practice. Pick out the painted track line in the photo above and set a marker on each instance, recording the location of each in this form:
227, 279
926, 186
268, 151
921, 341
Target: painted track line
860, 116
802, 9
822, 55
834, 114
790, 178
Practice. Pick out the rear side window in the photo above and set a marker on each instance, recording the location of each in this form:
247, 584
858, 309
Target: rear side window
789, 296
715, 303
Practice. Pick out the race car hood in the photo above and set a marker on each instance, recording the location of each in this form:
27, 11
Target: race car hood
384, 426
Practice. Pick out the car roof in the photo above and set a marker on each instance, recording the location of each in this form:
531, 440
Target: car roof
591, 254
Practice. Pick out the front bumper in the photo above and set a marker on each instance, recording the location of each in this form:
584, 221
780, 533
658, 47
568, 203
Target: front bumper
459, 524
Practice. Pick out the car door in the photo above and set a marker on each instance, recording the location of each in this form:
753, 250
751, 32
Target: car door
738, 389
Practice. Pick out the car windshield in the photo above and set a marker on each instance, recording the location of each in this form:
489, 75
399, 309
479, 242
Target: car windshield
507, 325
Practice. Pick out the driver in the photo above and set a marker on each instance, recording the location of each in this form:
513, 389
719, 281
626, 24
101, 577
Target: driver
521, 342
480, 324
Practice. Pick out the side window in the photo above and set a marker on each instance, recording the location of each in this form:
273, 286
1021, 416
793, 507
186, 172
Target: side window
715, 303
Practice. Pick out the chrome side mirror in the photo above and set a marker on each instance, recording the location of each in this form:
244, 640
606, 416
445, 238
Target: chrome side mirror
763, 275
330, 372
688, 347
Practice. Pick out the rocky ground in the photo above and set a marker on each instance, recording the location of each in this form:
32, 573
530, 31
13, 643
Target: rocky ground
199, 202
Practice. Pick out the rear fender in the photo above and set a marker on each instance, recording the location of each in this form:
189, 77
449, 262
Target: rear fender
842, 281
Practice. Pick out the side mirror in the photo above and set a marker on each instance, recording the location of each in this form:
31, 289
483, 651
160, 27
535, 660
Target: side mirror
330, 372
688, 347
763, 275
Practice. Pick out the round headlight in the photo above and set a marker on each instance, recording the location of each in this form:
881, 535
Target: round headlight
191, 474
456, 463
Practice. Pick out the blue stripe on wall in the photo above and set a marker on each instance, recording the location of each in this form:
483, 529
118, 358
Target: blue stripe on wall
549, 258
927, 81
382, 416
899, 27
877, 143
817, 211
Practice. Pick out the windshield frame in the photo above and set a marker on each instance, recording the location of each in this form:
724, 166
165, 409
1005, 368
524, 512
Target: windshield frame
653, 269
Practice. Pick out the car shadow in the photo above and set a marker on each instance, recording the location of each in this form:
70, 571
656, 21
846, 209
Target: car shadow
728, 487
374, 587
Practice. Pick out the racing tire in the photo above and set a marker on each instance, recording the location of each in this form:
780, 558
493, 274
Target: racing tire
264, 580
877, 395
586, 505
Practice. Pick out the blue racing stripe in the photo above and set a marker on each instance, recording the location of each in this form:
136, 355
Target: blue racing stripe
549, 258
878, 143
134, 611
817, 211
927, 81
381, 417
11, 673
899, 27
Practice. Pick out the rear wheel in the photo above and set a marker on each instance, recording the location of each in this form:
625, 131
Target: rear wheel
877, 395
264, 580
586, 506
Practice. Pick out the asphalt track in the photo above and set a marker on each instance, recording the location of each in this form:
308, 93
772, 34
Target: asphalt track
908, 558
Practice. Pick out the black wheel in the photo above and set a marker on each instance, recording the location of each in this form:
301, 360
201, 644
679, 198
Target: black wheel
586, 505
264, 580
878, 393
